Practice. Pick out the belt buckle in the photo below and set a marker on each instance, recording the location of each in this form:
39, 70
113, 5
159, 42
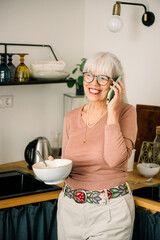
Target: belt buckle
80, 196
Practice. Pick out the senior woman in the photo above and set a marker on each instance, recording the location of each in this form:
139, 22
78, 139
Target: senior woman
96, 201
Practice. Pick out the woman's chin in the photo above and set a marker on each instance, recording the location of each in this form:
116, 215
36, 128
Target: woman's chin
95, 97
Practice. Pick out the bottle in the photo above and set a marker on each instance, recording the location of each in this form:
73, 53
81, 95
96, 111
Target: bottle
11, 66
156, 146
5, 75
22, 71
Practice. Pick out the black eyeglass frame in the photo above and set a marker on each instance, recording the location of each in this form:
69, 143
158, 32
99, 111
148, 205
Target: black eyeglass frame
97, 79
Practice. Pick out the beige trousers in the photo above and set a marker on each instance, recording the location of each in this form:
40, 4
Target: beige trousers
113, 221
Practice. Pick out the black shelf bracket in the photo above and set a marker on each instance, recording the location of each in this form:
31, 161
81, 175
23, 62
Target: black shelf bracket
28, 45
35, 82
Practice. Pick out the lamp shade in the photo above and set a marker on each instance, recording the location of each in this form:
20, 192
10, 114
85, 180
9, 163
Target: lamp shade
115, 23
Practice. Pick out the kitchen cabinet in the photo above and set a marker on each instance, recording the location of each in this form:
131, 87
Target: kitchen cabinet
146, 225
36, 221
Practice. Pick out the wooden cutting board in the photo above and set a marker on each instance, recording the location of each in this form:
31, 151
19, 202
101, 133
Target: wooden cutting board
148, 117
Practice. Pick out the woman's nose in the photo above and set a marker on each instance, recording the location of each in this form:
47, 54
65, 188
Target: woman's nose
95, 82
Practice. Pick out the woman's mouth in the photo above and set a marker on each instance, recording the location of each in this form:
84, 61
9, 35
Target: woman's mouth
94, 91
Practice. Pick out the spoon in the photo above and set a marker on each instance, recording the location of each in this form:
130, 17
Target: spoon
147, 180
40, 156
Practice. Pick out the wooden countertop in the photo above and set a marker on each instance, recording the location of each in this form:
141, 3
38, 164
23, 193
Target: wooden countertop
135, 176
132, 178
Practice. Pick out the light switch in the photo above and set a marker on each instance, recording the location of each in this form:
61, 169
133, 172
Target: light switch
6, 101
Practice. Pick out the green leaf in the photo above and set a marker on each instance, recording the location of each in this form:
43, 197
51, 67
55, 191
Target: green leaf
82, 64
71, 82
74, 70
80, 80
77, 85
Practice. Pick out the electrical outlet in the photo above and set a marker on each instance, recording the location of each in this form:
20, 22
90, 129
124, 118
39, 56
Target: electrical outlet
6, 101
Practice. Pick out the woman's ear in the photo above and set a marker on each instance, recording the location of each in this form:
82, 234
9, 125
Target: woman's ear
111, 82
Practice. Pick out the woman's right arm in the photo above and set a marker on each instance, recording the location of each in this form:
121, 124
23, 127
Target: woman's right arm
65, 136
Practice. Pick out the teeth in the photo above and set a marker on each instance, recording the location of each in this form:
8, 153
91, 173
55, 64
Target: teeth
94, 91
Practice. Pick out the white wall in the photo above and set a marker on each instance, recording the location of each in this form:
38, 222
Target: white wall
74, 29
38, 109
137, 46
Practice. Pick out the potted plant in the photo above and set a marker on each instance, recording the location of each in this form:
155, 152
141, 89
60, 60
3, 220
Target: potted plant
78, 81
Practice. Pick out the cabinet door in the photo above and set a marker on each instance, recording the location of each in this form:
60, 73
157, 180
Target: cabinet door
148, 117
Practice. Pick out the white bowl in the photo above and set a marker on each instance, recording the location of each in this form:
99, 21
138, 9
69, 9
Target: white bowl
55, 172
148, 169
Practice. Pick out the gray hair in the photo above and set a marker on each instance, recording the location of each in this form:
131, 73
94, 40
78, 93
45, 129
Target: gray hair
105, 63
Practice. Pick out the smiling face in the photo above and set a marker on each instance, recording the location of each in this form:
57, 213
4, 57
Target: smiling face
96, 92
103, 63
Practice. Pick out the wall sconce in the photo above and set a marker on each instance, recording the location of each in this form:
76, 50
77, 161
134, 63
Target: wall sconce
115, 24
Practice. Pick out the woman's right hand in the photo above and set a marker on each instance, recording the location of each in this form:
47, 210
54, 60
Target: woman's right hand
50, 158
113, 105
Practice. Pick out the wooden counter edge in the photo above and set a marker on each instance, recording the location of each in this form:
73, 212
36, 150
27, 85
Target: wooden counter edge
13, 202
152, 206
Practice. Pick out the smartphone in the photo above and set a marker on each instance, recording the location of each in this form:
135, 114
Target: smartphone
111, 91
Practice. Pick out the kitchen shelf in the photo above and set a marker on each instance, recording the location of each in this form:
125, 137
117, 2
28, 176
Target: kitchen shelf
33, 82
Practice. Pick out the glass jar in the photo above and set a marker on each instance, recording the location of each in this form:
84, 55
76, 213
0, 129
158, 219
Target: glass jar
156, 146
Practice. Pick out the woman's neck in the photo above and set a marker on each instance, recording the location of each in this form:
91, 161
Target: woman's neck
95, 112
97, 108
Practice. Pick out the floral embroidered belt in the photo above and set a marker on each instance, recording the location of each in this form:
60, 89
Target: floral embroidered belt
96, 197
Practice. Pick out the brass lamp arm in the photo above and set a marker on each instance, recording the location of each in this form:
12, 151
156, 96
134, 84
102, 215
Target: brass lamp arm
136, 4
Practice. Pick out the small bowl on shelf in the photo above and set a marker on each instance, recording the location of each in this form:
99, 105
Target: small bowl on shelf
55, 172
148, 169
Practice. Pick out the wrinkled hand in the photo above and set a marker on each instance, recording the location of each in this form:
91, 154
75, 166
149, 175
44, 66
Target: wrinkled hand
113, 105
50, 158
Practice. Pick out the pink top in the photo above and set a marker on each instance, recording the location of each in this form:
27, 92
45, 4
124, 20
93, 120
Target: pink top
101, 162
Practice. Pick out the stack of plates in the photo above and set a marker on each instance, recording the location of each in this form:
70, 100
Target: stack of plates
48, 70
49, 76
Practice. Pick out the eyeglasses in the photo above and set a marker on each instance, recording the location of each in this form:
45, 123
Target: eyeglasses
101, 79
